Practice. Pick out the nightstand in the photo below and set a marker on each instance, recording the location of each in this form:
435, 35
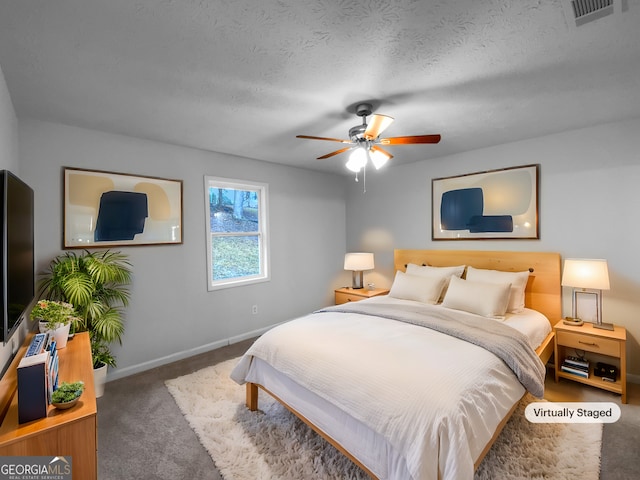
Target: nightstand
344, 295
597, 345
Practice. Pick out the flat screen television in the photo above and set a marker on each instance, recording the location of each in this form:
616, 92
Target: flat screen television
17, 251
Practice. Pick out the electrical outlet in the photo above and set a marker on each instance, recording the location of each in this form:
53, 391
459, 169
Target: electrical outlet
254, 310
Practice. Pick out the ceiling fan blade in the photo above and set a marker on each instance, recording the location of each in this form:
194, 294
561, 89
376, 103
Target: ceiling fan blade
310, 137
377, 124
334, 153
410, 140
376, 148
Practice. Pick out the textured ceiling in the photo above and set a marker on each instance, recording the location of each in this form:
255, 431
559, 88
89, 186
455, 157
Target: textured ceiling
245, 76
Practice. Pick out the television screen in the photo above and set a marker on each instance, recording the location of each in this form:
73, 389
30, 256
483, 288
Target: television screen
18, 277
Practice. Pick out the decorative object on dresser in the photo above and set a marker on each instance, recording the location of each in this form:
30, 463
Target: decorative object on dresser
588, 277
67, 395
346, 294
578, 349
358, 262
55, 317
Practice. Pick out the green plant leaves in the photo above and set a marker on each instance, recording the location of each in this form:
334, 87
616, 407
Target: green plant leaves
95, 283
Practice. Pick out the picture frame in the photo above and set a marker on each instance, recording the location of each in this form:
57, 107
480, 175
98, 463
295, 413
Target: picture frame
107, 209
494, 204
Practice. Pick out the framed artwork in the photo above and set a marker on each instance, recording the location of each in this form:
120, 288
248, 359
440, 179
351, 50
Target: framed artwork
496, 204
104, 209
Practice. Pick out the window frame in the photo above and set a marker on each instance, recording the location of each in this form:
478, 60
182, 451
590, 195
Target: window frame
262, 189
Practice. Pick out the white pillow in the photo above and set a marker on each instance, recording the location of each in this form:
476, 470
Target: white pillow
414, 287
436, 272
518, 281
486, 299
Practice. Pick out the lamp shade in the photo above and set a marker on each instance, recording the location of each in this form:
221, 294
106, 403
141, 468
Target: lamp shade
358, 261
586, 273
357, 159
379, 158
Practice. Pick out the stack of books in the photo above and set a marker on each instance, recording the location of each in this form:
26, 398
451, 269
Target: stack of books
576, 366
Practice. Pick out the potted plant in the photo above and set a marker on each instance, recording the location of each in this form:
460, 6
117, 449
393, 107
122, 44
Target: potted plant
96, 284
102, 360
55, 317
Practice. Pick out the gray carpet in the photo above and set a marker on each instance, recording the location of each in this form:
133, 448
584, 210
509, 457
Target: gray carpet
143, 435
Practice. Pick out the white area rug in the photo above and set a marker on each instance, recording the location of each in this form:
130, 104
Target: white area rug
274, 444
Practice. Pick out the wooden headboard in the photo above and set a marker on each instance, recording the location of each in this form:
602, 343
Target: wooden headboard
543, 292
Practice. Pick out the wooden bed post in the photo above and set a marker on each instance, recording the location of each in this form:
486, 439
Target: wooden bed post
252, 396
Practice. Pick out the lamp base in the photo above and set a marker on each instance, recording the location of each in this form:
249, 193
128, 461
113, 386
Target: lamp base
603, 326
357, 280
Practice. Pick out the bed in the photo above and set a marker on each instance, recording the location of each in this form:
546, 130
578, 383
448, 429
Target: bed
417, 385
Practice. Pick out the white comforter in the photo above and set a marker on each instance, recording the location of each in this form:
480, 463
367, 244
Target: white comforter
434, 398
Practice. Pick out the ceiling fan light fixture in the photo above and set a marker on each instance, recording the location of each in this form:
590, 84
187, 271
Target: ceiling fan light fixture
379, 158
357, 159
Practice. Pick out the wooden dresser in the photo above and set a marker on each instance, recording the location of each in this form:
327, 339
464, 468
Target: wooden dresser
69, 433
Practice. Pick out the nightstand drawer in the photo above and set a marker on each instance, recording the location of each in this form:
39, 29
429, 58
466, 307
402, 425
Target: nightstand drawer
589, 343
347, 297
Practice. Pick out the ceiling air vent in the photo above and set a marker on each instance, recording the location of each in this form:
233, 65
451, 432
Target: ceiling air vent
579, 12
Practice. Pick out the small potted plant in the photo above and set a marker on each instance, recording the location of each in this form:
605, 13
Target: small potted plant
56, 317
67, 394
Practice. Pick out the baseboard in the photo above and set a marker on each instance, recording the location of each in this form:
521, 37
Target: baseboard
174, 357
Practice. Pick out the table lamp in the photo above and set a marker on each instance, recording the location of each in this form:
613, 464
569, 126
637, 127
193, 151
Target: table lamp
357, 263
588, 276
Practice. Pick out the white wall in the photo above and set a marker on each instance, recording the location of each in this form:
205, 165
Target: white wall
589, 208
9, 161
172, 315
8, 130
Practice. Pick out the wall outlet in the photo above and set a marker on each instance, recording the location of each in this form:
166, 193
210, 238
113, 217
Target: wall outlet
254, 310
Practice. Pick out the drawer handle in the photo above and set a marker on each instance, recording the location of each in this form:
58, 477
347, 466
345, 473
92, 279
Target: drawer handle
591, 344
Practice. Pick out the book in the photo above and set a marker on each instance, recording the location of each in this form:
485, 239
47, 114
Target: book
576, 362
575, 371
38, 344
584, 368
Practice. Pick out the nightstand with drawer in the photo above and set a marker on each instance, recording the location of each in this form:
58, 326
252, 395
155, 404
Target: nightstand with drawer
344, 295
596, 345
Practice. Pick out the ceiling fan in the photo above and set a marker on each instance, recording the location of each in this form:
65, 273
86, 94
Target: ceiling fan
365, 142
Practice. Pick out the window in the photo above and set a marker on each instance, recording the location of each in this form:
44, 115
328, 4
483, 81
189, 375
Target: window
237, 240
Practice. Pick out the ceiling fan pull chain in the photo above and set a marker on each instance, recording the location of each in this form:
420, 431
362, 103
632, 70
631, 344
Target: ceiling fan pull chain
364, 179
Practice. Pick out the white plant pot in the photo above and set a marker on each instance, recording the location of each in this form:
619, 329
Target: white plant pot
99, 379
60, 334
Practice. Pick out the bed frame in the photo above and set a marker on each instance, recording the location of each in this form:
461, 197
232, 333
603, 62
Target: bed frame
543, 293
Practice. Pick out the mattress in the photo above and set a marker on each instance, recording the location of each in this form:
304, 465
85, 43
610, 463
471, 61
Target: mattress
485, 401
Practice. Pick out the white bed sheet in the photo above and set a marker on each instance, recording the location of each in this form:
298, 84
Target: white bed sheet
372, 448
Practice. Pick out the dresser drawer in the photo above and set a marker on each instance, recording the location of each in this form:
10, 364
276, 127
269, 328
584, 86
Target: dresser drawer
346, 297
605, 346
